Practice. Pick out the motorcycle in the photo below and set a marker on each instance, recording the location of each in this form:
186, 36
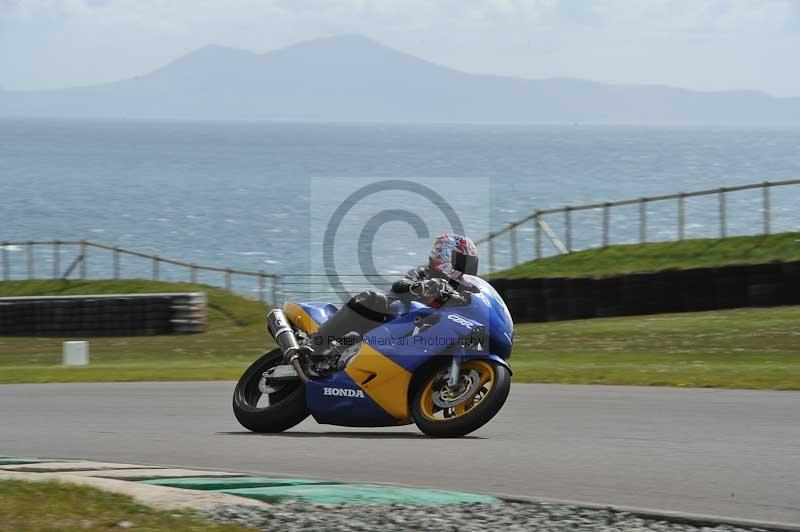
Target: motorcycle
445, 369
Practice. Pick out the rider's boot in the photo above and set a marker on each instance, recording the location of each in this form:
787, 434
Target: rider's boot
328, 340
318, 347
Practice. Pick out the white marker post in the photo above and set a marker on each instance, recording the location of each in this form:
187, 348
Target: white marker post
76, 353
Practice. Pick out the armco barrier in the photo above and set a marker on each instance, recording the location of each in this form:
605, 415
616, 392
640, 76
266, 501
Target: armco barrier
103, 315
692, 290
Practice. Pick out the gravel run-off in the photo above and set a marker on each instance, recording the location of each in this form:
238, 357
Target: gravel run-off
508, 516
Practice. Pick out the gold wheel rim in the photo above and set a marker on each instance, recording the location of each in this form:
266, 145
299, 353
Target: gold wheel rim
486, 379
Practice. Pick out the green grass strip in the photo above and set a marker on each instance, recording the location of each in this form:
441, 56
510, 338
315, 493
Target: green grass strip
639, 258
40, 506
743, 348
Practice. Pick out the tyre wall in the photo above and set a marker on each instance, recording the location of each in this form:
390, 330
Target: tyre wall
118, 315
692, 290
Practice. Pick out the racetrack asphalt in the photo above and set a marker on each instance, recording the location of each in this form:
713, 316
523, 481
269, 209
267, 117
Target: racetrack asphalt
733, 453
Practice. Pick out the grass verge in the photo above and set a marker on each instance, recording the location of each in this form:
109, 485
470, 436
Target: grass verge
51, 506
742, 348
695, 253
236, 336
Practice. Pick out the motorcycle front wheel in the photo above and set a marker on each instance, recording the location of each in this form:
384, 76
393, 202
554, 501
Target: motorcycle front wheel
445, 413
262, 408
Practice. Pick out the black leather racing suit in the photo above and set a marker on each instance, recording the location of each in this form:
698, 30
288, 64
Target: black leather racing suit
366, 310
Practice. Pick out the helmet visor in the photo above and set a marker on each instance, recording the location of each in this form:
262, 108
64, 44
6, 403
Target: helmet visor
466, 264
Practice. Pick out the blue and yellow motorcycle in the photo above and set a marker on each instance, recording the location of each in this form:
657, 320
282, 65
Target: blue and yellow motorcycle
445, 369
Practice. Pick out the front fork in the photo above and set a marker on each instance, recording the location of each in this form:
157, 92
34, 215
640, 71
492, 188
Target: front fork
454, 374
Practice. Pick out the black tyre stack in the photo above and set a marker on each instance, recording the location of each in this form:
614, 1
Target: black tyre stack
690, 290
92, 316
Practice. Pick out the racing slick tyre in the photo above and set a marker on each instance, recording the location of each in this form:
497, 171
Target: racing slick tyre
285, 404
441, 412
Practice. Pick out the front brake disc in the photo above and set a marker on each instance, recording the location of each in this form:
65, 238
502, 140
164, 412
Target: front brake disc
265, 388
466, 393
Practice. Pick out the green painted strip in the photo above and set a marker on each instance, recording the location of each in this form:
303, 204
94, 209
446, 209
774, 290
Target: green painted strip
10, 460
360, 494
320, 492
228, 483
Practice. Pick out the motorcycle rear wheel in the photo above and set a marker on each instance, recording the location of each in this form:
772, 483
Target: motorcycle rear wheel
287, 405
486, 386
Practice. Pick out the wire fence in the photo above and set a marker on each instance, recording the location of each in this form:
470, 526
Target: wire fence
565, 242
64, 259
83, 260
75, 263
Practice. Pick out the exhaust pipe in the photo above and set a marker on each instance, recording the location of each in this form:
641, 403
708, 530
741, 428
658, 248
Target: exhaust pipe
278, 326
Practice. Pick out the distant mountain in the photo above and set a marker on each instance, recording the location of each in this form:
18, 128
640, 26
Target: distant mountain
352, 78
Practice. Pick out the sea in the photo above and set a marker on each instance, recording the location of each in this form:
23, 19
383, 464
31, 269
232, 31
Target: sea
270, 196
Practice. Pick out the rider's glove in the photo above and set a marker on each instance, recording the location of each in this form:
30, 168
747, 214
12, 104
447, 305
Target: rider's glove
429, 288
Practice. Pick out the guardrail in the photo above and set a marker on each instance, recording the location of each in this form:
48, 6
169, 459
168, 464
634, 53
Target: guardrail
81, 260
541, 227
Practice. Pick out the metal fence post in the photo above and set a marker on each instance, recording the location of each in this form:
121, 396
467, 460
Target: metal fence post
537, 235
261, 286
681, 216
512, 235
766, 207
723, 230
115, 257
228, 279
642, 220
6, 265
491, 252
56, 258
193, 273
84, 252
155, 267
29, 253
568, 227
606, 230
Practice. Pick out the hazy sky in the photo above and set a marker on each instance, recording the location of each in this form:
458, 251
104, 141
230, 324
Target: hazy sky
701, 44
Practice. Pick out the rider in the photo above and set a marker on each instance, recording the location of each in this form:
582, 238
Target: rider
441, 282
